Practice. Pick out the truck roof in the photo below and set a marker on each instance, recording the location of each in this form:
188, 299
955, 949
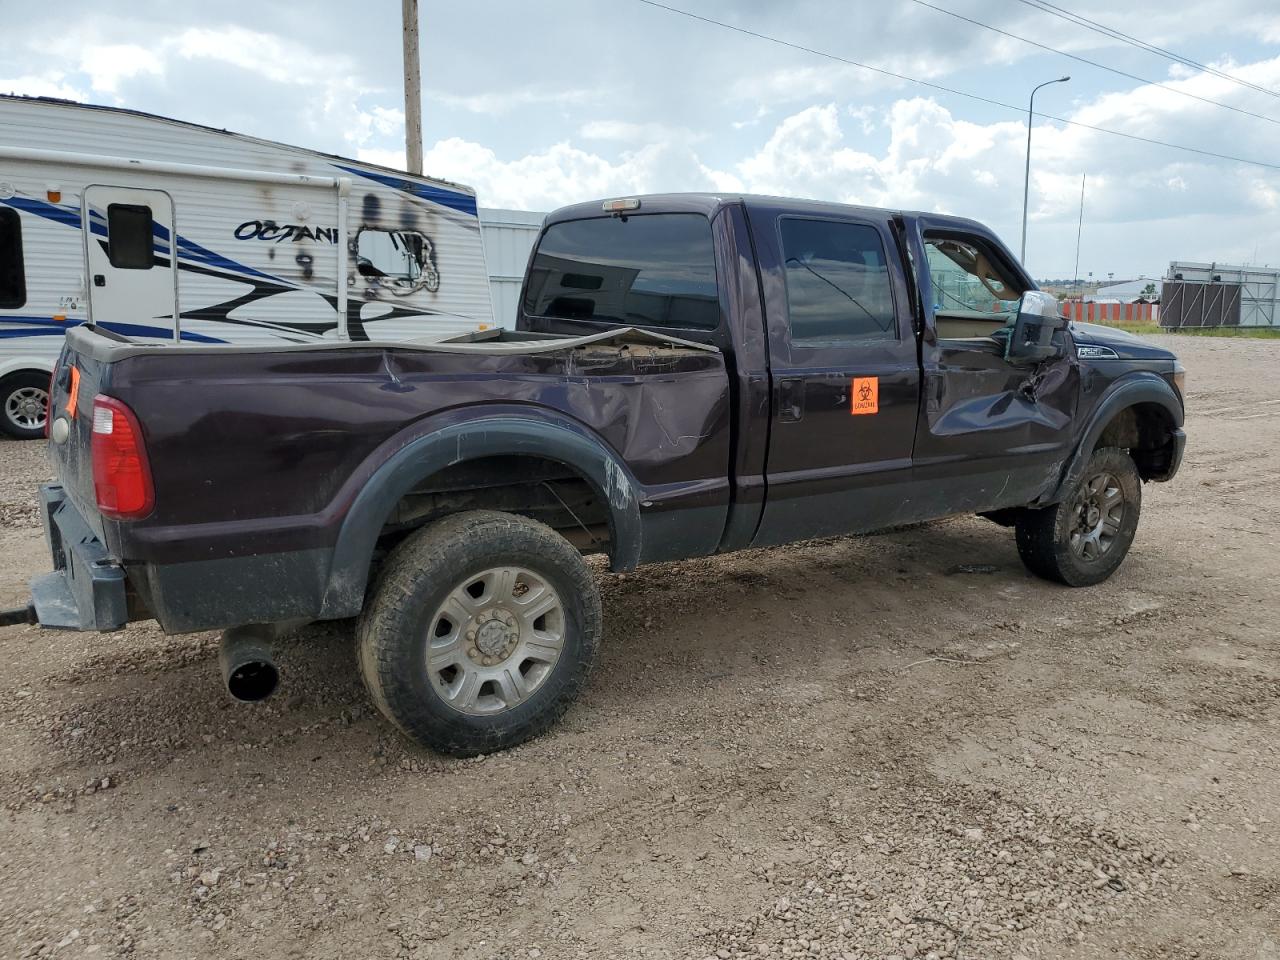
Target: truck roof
710, 203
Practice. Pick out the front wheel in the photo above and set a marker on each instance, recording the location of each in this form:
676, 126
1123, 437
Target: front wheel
24, 405
481, 631
1084, 539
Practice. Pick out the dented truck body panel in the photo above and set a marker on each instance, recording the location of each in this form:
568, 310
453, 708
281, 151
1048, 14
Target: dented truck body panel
282, 475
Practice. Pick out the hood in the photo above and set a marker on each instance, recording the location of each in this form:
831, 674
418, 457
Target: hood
1126, 345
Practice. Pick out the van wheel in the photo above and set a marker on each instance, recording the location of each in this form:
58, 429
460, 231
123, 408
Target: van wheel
1084, 539
480, 632
24, 404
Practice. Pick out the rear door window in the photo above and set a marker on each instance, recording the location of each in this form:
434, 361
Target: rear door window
129, 230
13, 278
838, 283
649, 270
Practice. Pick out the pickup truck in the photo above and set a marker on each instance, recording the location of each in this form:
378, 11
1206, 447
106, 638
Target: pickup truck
689, 375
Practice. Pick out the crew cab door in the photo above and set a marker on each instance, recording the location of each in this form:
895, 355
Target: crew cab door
129, 259
994, 425
846, 381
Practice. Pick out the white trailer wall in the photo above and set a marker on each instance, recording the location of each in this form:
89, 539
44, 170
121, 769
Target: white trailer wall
508, 237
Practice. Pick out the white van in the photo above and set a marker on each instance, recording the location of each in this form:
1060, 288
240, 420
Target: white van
159, 229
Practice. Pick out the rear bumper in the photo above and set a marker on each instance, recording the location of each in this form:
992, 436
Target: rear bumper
86, 590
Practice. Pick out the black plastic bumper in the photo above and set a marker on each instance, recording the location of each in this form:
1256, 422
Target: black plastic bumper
86, 590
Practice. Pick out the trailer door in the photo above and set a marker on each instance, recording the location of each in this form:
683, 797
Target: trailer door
129, 247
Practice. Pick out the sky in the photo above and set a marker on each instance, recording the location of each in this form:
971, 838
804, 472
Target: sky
540, 103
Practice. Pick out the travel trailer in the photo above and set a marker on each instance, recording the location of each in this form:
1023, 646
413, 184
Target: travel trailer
163, 230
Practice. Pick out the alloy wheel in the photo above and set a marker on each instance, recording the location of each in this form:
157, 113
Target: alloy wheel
1097, 514
27, 408
495, 640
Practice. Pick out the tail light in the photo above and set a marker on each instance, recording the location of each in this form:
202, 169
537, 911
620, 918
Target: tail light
121, 474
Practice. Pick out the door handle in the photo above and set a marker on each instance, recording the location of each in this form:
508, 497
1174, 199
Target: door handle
935, 385
791, 399
99, 280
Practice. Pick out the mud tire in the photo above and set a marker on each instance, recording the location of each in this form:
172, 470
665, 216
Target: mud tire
415, 580
1044, 536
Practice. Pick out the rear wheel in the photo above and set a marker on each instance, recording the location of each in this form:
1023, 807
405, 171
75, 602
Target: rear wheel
1084, 539
24, 404
481, 631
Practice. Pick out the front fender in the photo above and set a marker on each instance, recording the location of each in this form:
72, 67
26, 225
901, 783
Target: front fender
493, 433
1131, 390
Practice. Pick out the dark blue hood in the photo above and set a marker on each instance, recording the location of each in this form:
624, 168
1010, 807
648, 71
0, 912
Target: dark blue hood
1126, 345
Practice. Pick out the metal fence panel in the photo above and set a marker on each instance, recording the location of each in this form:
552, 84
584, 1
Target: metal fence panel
1185, 304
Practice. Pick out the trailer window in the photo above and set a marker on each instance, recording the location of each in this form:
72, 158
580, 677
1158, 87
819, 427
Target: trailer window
13, 278
838, 285
130, 228
653, 270
402, 259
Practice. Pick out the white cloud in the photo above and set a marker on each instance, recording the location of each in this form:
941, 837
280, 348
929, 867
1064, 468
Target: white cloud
107, 64
500, 103
626, 132
49, 84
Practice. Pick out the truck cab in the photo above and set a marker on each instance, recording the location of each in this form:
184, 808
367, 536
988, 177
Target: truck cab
887, 366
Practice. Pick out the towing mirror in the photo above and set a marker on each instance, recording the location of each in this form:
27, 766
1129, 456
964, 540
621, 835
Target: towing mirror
1039, 318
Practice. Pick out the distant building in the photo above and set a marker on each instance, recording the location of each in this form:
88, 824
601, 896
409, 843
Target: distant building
1129, 291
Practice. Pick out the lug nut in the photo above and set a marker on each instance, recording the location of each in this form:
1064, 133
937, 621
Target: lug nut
473, 653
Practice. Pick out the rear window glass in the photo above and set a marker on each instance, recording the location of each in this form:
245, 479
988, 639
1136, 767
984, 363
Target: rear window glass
655, 270
129, 229
13, 279
838, 285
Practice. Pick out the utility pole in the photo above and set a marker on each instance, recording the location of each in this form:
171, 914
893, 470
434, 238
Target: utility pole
1026, 182
412, 88
1079, 228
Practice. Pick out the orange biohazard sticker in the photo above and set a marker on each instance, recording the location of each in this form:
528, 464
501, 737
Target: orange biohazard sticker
866, 395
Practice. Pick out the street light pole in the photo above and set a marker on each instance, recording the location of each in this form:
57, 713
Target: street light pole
1026, 182
1079, 230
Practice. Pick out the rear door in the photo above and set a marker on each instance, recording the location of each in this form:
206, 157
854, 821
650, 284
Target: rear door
129, 257
846, 377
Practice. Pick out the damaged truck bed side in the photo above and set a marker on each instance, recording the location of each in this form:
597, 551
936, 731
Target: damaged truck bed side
691, 374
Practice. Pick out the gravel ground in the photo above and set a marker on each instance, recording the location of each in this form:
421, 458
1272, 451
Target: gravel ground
895, 746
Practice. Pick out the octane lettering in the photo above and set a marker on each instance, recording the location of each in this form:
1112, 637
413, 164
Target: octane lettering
278, 232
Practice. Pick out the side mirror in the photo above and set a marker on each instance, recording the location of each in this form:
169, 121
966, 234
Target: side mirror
1032, 338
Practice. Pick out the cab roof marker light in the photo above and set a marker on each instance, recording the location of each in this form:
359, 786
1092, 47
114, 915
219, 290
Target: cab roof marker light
621, 206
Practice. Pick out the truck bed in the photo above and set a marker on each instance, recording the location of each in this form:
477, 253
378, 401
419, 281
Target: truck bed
258, 456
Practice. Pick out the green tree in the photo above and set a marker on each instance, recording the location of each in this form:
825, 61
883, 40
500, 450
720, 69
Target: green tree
1149, 290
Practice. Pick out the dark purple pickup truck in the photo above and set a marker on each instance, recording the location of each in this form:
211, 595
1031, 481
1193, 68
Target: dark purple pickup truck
689, 375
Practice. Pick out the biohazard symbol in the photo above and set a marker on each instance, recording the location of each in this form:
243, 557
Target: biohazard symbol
866, 395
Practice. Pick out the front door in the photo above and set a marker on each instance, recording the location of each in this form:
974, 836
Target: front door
846, 380
994, 430
130, 260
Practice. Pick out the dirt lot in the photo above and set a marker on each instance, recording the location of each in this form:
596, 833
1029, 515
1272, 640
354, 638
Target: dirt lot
894, 746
